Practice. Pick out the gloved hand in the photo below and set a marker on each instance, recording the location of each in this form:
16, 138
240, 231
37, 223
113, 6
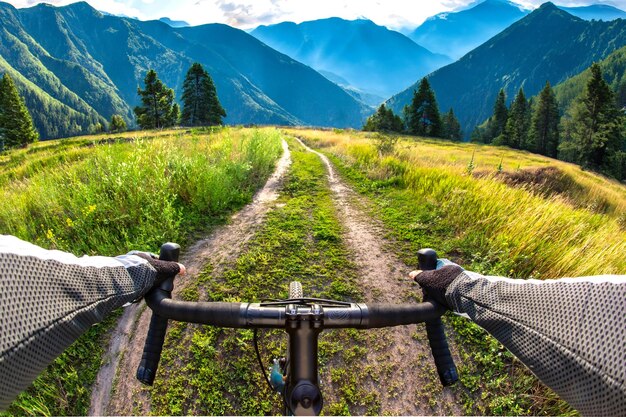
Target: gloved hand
434, 283
164, 269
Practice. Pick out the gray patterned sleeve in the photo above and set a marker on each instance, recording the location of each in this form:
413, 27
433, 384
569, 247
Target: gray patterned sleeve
571, 332
49, 298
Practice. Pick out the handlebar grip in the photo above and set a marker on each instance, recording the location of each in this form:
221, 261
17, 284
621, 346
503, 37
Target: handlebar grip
427, 259
152, 350
158, 325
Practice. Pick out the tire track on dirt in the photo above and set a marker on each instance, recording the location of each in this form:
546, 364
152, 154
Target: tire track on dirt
116, 390
403, 372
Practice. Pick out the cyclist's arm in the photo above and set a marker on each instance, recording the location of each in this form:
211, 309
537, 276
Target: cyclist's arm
49, 298
570, 332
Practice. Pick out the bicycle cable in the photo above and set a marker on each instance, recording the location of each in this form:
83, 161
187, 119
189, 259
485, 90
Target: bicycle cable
255, 342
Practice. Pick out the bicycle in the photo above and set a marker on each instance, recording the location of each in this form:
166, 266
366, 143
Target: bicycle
294, 377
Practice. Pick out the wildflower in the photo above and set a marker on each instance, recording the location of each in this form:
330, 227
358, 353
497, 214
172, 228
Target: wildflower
89, 209
69, 222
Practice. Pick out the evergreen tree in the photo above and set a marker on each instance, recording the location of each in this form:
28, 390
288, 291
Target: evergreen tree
497, 122
451, 126
544, 131
174, 116
384, 120
117, 124
422, 115
477, 135
597, 123
157, 100
201, 106
16, 124
515, 132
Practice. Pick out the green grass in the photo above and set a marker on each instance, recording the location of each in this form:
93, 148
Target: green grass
210, 371
428, 200
103, 196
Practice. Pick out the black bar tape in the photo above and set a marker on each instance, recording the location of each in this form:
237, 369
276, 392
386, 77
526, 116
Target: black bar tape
158, 325
152, 350
441, 353
385, 315
212, 314
434, 330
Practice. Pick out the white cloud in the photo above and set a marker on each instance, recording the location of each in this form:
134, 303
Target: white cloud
245, 14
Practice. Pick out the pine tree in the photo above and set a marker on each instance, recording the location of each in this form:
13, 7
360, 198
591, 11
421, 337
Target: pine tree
117, 124
597, 123
451, 126
16, 124
384, 120
544, 131
174, 116
515, 132
422, 115
201, 106
157, 100
497, 122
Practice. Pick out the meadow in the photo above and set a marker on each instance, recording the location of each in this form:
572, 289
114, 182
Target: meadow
493, 210
459, 199
107, 195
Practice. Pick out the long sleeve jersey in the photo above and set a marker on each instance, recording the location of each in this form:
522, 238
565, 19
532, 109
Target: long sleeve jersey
49, 298
570, 332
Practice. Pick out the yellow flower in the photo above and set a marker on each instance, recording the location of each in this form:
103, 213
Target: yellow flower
69, 222
89, 209
50, 234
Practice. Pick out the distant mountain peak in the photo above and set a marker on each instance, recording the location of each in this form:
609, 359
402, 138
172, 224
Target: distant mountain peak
547, 5
549, 10
456, 33
174, 23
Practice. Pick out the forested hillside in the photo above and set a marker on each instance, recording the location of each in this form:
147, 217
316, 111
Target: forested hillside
547, 45
77, 67
614, 72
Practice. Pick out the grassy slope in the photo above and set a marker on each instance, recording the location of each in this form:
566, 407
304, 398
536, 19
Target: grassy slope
81, 195
425, 196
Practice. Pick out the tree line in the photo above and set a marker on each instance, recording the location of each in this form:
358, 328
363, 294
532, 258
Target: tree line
421, 117
201, 107
592, 133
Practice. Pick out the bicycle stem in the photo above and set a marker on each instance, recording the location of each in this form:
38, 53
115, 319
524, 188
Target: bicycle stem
302, 392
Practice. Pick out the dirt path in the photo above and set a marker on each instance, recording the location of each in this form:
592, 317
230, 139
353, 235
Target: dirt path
127, 396
401, 358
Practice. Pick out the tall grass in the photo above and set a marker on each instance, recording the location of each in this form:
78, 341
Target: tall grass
103, 196
121, 196
524, 233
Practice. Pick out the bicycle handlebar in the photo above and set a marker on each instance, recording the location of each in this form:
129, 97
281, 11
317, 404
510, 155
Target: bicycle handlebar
284, 314
446, 369
255, 315
158, 324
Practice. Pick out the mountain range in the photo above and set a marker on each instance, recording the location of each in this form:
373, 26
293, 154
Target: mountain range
357, 54
549, 44
77, 67
456, 33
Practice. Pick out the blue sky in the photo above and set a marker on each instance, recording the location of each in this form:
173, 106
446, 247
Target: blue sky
245, 14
